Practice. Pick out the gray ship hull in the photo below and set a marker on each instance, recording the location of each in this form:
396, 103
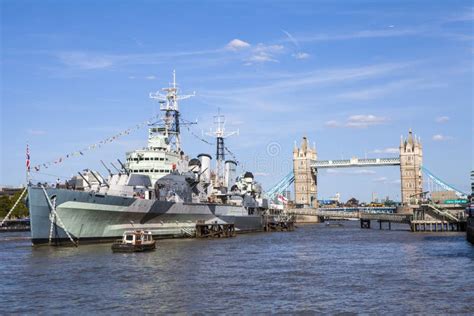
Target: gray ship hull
90, 217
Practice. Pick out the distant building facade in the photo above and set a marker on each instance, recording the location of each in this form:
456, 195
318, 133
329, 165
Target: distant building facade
9, 191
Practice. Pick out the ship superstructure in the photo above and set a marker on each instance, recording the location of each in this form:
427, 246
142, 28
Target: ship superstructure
223, 178
163, 153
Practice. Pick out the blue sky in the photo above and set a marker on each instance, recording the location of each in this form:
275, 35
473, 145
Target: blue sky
351, 75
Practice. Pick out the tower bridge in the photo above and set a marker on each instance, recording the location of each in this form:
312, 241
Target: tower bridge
409, 161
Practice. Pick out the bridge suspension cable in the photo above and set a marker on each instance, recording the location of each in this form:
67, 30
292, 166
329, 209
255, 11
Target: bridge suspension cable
443, 184
281, 186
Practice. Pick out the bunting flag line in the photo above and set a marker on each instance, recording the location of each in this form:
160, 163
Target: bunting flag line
81, 152
27, 158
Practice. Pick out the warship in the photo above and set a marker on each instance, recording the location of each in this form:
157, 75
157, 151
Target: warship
158, 189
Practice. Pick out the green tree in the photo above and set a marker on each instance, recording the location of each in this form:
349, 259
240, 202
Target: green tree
5, 205
7, 202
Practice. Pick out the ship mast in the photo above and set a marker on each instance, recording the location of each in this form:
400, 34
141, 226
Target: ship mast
170, 108
220, 134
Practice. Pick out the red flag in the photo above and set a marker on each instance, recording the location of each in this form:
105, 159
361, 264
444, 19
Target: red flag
282, 199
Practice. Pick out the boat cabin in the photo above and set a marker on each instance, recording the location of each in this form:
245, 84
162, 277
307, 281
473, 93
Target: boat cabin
134, 241
137, 237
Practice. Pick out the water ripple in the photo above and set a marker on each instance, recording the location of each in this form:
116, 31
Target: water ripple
310, 271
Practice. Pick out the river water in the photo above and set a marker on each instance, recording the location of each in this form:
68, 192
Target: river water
315, 269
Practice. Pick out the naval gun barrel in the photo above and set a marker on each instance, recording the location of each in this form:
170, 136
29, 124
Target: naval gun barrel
123, 167
118, 170
105, 181
84, 178
97, 178
108, 170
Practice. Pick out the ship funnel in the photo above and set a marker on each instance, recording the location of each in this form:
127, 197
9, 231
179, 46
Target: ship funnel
229, 173
205, 167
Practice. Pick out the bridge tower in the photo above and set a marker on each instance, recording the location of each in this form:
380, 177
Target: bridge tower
305, 177
411, 160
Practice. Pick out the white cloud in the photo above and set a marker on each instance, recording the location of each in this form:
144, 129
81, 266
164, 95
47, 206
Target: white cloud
261, 174
468, 15
260, 57
364, 121
86, 61
442, 119
441, 138
332, 123
385, 180
301, 55
380, 179
271, 85
318, 77
358, 121
390, 150
264, 53
382, 90
364, 171
150, 77
269, 48
237, 44
387, 32
36, 132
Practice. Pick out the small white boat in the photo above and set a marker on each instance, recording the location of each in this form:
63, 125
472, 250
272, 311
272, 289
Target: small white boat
135, 241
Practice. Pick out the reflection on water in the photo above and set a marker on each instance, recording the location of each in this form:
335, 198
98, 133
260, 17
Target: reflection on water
314, 269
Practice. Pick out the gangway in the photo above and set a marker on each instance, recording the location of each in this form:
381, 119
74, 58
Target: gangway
439, 213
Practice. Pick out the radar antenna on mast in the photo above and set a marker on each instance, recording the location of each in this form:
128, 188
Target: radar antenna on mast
220, 134
170, 108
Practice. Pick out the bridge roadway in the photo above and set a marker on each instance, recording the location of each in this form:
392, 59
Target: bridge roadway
364, 213
355, 162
